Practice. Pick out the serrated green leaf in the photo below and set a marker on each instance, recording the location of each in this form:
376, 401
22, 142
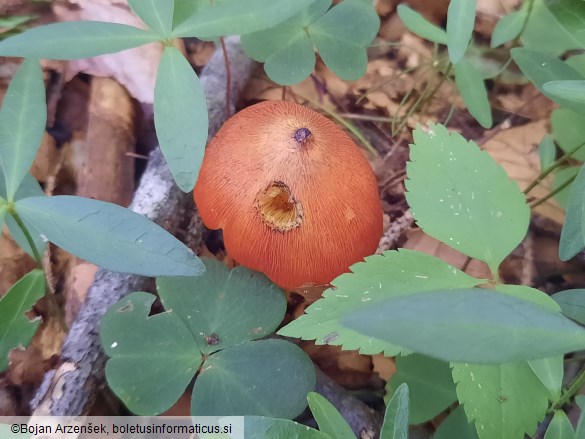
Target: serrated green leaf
396, 416
328, 418
342, 35
255, 371
560, 427
468, 325
568, 129
572, 303
259, 427
570, 90
544, 33
180, 117
460, 21
471, 86
22, 123
394, 273
430, 385
75, 40
550, 373
560, 177
508, 28
223, 308
109, 235
157, 14
530, 294
505, 400
152, 359
540, 68
450, 201
547, 152
420, 26
456, 426
570, 14
237, 17
16, 329
573, 232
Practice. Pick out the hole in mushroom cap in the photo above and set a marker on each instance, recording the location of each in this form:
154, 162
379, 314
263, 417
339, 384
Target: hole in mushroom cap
278, 207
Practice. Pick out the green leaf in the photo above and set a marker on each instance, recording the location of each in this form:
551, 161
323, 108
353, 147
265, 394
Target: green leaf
560, 177
223, 308
547, 152
180, 117
430, 385
471, 86
456, 426
75, 40
469, 325
259, 427
571, 16
12, 22
540, 68
580, 430
572, 303
530, 294
508, 28
3, 210
328, 418
157, 14
342, 35
550, 373
544, 33
460, 21
396, 417
560, 427
504, 400
571, 90
573, 233
152, 359
420, 26
450, 201
237, 17
22, 123
393, 274
243, 379
16, 329
568, 129
109, 235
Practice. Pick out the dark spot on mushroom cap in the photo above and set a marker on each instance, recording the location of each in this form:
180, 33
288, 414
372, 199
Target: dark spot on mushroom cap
302, 135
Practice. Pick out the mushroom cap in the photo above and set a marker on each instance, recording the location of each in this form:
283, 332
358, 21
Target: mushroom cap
295, 197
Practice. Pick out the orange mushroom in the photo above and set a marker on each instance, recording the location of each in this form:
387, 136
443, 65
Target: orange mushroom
295, 197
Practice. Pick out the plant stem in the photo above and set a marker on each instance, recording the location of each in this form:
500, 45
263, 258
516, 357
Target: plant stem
554, 192
568, 394
552, 167
228, 76
27, 235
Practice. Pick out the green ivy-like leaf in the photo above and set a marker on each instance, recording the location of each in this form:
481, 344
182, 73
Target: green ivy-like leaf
396, 416
109, 235
394, 274
550, 372
547, 152
571, 16
568, 129
152, 359
16, 329
560, 427
505, 400
471, 86
469, 325
328, 418
259, 427
223, 308
430, 385
157, 14
460, 21
22, 123
420, 26
572, 303
75, 40
180, 117
456, 426
242, 380
508, 28
450, 201
573, 233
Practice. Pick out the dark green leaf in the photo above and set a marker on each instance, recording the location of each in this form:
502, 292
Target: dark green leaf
547, 152
157, 14
468, 326
560, 177
572, 304
544, 33
470, 84
419, 25
568, 129
530, 294
560, 427
460, 21
152, 359
456, 426
450, 201
180, 117
508, 28
109, 235
573, 233
75, 40
328, 418
22, 123
258, 427
580, 430
430, 385
396, 417
571, 16
571, 91
550, 372
223, 308
244, 379
16, 329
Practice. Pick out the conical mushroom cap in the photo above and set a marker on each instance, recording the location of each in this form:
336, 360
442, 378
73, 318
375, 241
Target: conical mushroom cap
295, 197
